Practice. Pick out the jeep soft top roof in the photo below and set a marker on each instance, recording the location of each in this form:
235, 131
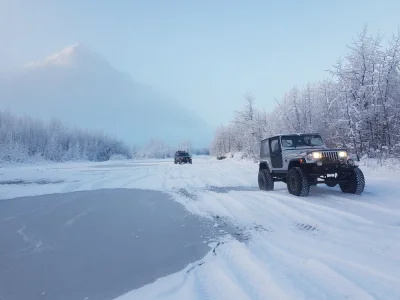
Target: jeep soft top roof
181, 153
290, 133
278, 135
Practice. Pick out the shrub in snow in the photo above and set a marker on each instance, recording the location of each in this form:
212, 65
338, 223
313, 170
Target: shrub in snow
118, 157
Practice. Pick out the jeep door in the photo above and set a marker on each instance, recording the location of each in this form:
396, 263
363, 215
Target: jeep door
276, 153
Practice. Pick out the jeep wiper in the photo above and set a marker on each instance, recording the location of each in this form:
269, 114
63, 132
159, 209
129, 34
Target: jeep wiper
309, 144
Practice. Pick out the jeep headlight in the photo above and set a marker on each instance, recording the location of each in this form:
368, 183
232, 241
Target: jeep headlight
342, 154
316, 155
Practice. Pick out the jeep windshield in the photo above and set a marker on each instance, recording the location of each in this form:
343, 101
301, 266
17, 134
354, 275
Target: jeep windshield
295, 141
183, 154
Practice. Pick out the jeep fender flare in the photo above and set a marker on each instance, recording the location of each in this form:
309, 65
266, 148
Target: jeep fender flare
264, 165
296, 162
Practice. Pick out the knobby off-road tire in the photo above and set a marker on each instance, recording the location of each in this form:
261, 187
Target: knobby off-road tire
265, 181
297, 182
356, 183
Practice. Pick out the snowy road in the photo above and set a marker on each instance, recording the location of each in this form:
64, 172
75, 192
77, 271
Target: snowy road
326, 246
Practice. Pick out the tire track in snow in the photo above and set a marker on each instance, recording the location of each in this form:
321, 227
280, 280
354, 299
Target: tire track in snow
251, 273
330, 217
218, 283
314, 276
248, 208
328, 253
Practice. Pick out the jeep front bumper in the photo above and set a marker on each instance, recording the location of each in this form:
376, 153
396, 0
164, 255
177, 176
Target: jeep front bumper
327, 167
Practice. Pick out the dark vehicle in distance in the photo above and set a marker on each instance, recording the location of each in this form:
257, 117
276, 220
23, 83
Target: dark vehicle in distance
182, 157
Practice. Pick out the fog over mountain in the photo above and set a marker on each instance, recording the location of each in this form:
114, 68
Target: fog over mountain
81, 88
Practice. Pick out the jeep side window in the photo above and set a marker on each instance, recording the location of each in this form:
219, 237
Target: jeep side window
286, 142
264, 149
275, 148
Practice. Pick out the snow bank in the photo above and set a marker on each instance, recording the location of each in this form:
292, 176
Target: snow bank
380, 165
239, 156
115, 157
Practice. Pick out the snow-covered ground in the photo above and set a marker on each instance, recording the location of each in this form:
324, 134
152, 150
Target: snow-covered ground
329, 245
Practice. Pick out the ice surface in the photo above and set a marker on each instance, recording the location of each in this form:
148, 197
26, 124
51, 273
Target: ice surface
97, 244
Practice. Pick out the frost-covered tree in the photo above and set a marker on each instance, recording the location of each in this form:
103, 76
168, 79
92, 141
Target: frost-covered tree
186, 146
358, 108
24, 139
155, 148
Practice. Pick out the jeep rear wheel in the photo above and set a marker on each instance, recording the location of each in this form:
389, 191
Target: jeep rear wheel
355, 184
265, 181
297, 182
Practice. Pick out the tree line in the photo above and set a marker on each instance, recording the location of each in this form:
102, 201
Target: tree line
157, 148
25, 139
358, 107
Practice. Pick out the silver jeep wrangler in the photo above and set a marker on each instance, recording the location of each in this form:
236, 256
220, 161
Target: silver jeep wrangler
302, 160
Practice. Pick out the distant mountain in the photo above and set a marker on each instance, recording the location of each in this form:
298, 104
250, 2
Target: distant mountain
81, 88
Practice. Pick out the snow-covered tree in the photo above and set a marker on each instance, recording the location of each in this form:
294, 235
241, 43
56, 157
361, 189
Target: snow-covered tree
186, 146
24, 139
358, 108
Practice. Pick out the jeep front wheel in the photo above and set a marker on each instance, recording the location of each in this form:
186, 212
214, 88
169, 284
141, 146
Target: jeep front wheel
355, 184
265, 181
297, 182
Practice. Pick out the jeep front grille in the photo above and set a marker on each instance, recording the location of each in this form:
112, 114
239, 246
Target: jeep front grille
330, 155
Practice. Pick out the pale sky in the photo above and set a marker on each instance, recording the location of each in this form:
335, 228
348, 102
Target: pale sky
205, 54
